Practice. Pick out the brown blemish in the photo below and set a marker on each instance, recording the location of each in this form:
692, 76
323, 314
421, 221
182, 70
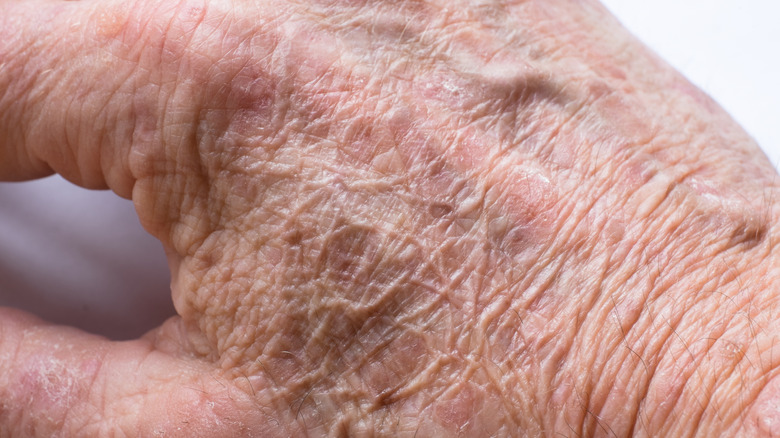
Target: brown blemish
748, 234
348, 250
440, 210
294, 238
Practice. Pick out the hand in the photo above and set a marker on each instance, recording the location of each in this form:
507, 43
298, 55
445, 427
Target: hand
395, 218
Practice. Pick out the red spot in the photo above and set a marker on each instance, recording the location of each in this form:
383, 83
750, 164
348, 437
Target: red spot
457, 410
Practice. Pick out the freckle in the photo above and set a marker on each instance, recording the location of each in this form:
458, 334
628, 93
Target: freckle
294, 238
748, 233
439, 210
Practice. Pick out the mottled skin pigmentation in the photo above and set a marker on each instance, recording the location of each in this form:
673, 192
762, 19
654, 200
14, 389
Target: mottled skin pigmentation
396, 218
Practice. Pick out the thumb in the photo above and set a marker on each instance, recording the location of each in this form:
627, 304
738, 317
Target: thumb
73, 100
57, 381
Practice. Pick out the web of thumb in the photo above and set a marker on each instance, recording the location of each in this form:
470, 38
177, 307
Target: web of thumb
59, 381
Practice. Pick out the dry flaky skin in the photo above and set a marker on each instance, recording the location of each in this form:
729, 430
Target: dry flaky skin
396, 218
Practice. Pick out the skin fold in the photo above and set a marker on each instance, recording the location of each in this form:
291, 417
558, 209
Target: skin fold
395, 218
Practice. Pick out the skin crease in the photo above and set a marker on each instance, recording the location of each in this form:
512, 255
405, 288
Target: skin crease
396, 219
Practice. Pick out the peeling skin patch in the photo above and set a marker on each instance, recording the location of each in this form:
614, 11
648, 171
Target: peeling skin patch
50, 387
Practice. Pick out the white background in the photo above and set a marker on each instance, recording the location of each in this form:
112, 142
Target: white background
729, 48
81, 258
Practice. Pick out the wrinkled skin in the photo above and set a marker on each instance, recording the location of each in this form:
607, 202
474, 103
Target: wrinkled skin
395, 218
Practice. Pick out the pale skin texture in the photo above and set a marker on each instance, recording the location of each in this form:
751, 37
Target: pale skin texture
396, 218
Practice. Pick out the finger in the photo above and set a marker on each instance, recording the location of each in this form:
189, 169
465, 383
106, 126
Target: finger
69, 98
57, 381
39, 128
